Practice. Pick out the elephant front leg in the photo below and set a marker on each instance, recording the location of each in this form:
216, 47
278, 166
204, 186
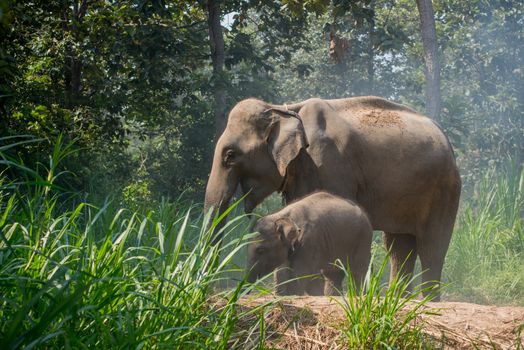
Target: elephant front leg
315, 286
285, 282
281, 277
402, 250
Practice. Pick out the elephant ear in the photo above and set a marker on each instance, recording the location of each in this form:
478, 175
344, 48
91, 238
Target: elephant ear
288, 232
285, 137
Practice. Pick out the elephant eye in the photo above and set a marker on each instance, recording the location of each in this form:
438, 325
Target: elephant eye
229, 158
260, 250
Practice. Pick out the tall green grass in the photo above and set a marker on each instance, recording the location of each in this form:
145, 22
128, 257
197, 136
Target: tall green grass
485, 261
385, 316
102, 277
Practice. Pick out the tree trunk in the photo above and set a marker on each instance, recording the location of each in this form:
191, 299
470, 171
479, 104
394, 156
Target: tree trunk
73, 63
371, 53
216, 41
432, 71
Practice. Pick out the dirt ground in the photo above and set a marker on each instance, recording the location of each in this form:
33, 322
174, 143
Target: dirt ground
311, 323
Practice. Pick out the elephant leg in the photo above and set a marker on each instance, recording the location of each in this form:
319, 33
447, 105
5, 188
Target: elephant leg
359, 262
432, 261
296, 288
282, 275
358, 273
432, 248
403, 253
333, 281
286, 282
434, 242
315, 286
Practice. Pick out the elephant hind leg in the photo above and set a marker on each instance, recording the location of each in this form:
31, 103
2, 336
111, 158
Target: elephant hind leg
432, 261
402, 253
436, 231
434, 242
432, 248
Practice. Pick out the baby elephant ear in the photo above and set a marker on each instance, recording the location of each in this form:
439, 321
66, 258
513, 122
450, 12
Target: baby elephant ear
285, 137
288, 232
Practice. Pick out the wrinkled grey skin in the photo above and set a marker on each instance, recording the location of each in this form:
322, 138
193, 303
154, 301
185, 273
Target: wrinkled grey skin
306, 238
394, 162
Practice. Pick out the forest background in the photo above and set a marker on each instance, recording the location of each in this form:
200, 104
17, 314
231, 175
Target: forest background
132, 83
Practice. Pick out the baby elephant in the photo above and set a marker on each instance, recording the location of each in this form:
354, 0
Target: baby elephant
306, 238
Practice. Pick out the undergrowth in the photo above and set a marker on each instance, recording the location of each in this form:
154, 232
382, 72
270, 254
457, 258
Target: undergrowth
103, 277
382, 316
78, 275
485, 261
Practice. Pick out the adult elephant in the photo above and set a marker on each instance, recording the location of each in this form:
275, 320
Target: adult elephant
394, 162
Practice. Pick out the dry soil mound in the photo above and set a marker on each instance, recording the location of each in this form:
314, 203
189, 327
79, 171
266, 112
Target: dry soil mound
312, 323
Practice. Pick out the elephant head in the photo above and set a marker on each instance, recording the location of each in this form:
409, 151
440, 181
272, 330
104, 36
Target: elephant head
277, 238
258, 144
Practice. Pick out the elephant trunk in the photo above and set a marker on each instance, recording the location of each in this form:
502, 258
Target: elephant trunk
252, 269
220, 188
252, 277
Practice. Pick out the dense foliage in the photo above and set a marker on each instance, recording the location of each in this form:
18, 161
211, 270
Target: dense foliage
106, 277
